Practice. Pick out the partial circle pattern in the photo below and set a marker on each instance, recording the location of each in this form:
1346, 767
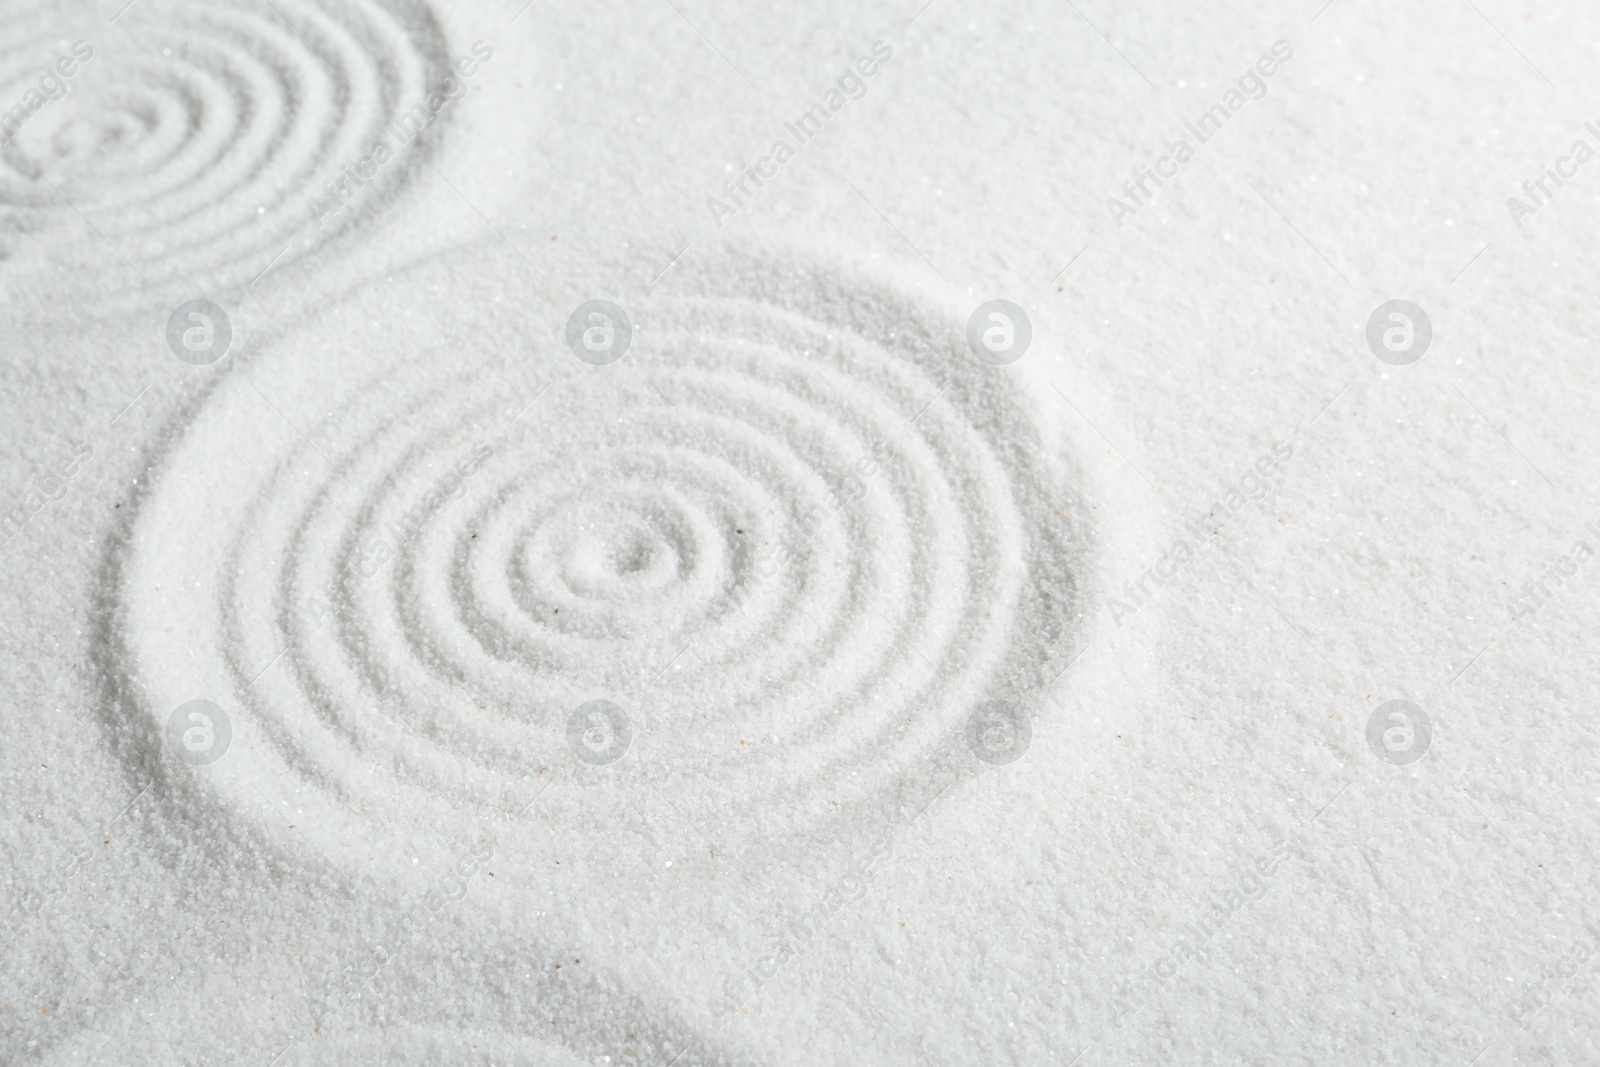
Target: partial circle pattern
193, 134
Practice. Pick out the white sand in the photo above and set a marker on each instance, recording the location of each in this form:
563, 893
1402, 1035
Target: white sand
797, 687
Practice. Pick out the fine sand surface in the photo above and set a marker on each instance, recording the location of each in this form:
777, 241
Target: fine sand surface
694, 534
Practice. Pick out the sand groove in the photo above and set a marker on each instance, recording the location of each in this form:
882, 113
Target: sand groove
797, 534
193, 136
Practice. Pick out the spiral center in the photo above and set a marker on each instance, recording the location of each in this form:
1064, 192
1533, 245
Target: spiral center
608, 561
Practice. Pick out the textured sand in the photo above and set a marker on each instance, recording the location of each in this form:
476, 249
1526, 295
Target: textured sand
797, 686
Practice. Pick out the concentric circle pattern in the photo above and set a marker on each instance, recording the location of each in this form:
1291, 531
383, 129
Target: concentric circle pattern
189, 136
796, 536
